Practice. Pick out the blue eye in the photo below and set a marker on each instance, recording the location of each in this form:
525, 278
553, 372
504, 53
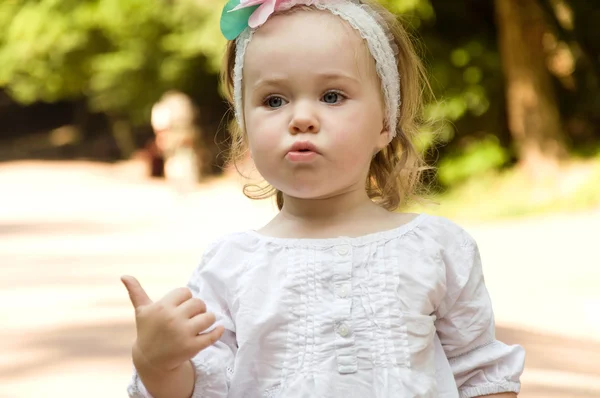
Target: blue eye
274, 102
332, 97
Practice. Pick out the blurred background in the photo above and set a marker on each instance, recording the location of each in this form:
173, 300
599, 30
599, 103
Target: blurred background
113, 147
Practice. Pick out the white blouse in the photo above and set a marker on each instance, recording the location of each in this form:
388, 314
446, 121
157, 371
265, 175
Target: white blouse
399, 313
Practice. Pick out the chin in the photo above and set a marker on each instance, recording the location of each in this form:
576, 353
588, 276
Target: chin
313, 187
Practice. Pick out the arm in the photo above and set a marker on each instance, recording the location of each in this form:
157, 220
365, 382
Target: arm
175, 383
170, 334
482, 366
185, 345
205, 375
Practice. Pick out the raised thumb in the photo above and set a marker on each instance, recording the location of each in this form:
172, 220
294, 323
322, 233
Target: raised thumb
137, 294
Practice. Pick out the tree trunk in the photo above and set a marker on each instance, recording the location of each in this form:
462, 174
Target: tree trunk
534, 118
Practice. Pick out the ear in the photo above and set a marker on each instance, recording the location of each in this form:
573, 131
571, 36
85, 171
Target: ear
383, 139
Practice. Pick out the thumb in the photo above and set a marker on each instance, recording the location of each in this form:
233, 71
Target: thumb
137, 294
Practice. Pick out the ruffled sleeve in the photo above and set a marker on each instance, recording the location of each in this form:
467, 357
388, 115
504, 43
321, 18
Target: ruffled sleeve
465, 325
213, 365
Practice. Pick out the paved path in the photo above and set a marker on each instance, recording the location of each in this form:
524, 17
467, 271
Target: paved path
69, 230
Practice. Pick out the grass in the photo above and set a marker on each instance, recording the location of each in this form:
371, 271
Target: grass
512, 193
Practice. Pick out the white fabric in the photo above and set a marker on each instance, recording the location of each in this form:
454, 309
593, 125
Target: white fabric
401, 313
370, 27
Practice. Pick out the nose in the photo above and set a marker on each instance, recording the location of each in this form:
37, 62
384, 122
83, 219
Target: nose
304, 119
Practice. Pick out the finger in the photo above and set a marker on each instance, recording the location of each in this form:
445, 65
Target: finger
200, 323
137, 294
178, 296
207, 339
192, 307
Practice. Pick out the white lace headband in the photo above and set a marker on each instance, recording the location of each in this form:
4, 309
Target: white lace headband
361, 17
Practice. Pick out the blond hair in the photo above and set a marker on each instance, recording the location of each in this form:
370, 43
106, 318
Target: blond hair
394, 178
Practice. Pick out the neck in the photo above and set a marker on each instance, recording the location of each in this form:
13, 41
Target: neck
327, 210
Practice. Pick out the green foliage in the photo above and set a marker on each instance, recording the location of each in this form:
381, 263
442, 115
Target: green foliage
460, 52
475, 160
416, 11
465, 81
119, 54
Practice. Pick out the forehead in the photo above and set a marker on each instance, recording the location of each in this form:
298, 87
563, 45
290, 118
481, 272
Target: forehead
305, 40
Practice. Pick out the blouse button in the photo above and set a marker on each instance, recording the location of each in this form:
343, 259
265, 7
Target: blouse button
343, 330
343, 292
343, 250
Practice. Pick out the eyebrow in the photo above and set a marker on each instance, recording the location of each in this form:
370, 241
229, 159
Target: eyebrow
325, 76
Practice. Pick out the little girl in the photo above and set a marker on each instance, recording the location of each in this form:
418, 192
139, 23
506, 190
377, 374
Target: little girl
338, 296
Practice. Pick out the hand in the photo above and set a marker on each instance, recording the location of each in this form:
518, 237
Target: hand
168, 330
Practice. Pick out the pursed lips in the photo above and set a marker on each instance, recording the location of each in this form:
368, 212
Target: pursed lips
302, 151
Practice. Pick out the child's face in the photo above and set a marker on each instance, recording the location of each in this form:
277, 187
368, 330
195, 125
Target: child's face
308, 77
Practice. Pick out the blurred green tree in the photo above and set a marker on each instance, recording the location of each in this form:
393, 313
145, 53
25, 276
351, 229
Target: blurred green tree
120, 56
555, 45
459, 46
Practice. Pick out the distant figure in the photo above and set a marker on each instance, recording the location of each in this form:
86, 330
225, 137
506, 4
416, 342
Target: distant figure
155, 159
173, 122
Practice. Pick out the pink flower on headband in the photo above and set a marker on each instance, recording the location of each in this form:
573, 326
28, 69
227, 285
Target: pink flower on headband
262, 13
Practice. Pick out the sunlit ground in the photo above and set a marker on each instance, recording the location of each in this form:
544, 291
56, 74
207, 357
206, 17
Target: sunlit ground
69, 230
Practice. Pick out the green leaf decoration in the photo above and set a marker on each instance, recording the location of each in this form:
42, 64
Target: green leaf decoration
234, 23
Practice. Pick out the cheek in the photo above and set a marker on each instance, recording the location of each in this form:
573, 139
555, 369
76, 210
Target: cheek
356, 135
263, 136
352, 153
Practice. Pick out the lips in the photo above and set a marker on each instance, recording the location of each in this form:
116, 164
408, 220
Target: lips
302, 151
303, 146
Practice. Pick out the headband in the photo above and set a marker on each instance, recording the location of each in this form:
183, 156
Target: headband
240, 18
